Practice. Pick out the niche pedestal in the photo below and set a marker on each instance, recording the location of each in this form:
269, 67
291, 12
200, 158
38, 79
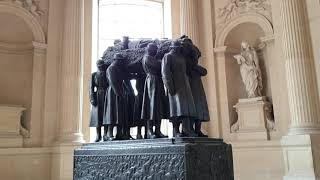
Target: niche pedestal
10, 128
159, 159
255, 119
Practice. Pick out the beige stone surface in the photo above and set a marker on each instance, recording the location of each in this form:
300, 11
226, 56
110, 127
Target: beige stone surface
254, 119
11, 128
258, 160
301, 154
25, 163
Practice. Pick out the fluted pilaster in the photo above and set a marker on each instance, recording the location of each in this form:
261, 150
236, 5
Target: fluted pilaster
300, 69
189, 19
71, 73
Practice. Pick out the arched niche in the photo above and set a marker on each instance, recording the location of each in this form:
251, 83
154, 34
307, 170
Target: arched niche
23, 41
27, 17
252, 27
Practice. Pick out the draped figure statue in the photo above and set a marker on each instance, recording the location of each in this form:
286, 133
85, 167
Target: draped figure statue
250, 70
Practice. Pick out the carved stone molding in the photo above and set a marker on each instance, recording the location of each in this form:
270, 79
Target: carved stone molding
31, 5
12, 131
15, 48
255, 18
9, 7
235, 8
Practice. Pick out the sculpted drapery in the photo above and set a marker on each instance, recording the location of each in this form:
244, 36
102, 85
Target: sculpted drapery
250, 70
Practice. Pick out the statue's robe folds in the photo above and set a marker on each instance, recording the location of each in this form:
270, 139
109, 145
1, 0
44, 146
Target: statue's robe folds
176, 81
198, 93
129, 99
98, 89
136, 72
154, 105
115, 98
140, 81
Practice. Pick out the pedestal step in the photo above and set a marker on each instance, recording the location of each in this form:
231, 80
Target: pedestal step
160, 159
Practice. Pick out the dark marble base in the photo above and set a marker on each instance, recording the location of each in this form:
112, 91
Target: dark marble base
160, 159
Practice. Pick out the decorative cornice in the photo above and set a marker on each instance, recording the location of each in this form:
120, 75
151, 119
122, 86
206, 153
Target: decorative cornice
16, 48
31, 5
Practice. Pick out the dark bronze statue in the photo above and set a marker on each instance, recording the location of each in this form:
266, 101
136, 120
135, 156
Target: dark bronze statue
195, 72
115, 100
98, 89
138, 121
175, 79
154, 100
199, 98
156, 65
129, 106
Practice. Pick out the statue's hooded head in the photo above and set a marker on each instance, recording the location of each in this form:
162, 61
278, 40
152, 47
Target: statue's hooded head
176, 45
125, 42
116, 41
101, 65
245, 46
152, 49
118, 58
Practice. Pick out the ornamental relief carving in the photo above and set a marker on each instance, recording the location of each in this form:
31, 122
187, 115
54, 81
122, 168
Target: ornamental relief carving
31, 5
237, 7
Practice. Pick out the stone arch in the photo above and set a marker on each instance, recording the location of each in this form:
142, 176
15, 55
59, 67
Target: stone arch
255, 18
34, 135
30, 20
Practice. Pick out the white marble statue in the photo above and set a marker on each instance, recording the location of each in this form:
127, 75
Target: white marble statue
250, 70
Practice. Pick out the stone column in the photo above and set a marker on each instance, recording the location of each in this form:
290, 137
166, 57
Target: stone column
70, 114
38, 86
300, 68
189, 23
301, 146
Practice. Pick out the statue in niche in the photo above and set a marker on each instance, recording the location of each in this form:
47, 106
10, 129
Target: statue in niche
115, 100
98, 89
250, 70
176, 81
195, 72
154, 99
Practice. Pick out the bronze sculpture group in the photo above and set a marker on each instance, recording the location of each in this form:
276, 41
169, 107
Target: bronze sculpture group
168, 84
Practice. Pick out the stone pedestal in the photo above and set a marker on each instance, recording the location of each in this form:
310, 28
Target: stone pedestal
10, 120
163, 159
302, 157
254, 119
